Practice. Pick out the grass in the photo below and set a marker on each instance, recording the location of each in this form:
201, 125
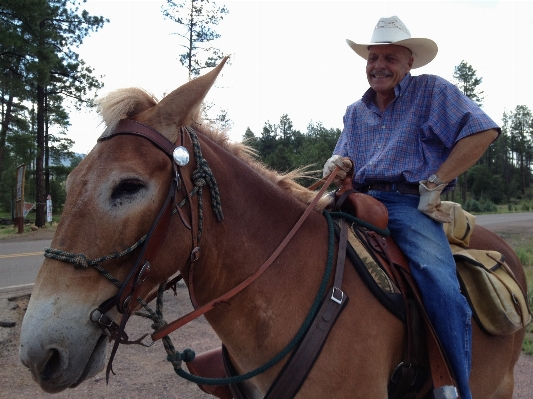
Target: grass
9, 231
525, 253
527, 345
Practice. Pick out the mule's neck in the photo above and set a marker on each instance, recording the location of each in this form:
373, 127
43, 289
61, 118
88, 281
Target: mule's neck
257, 216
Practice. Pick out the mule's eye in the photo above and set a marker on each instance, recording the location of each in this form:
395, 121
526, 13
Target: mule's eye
127, 188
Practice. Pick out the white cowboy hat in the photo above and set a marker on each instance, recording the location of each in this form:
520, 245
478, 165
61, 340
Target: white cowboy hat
393, 31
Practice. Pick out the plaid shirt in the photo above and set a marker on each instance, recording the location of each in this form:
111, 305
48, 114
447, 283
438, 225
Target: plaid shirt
414, 135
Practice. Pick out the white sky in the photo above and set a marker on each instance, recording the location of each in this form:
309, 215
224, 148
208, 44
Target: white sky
291, 56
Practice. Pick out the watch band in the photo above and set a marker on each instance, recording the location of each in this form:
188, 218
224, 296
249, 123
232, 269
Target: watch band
434, 179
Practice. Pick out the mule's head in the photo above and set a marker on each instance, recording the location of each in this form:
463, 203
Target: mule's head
113, 197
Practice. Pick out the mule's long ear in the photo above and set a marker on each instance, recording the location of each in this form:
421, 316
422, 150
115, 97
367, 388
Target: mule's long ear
182, 106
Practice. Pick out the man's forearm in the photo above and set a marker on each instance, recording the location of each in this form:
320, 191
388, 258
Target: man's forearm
465, 154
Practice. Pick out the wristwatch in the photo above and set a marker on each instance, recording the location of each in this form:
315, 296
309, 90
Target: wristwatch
434, 179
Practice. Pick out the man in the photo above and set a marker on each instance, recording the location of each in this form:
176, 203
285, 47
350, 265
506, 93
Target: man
409, 137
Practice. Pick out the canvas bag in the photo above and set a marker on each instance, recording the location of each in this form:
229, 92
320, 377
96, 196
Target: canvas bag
460, 229
498, 302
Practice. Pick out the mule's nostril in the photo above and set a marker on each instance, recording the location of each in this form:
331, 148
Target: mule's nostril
52, 365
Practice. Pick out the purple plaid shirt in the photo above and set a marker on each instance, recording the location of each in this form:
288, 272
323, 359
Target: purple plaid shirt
414, 136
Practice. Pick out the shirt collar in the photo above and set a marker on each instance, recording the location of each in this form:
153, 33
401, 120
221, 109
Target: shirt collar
398, 89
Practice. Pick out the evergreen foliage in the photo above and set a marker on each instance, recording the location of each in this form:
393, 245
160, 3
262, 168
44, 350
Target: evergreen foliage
40, 71
196, 18
283, 148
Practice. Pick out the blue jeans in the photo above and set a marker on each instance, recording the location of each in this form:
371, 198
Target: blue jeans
425, 244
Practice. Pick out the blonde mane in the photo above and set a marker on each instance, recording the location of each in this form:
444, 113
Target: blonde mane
126, 103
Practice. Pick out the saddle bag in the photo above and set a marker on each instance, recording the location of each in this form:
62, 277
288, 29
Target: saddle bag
460, 229
498, 302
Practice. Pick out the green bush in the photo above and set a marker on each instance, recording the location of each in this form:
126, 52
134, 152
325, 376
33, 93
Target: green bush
525, 207
472, 205
488, 206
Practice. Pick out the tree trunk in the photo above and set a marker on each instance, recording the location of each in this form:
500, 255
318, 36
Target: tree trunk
40, 207
3, 131
46, 149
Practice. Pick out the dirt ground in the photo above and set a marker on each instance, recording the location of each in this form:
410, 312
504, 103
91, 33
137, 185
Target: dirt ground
140, 372
145, 372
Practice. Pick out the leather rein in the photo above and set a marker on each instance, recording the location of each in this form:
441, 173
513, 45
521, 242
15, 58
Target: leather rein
152, 242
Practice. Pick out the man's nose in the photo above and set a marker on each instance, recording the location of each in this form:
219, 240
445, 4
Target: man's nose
380, 62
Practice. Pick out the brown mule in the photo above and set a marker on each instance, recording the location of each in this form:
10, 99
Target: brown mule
115, 194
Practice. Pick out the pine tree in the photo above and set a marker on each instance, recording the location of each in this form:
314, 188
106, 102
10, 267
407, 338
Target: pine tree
196, 18
468, 82
521, 135
49, 69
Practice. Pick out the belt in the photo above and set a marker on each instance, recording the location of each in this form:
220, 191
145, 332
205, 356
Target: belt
402, 188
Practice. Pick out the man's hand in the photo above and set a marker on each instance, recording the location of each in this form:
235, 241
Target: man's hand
345, 165
430, 202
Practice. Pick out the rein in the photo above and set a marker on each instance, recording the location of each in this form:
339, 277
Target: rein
151, 243
160, 333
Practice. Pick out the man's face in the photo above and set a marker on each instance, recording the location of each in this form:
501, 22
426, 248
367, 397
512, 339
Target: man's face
386, 66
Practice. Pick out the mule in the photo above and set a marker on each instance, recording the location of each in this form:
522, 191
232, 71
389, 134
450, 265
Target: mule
113, 197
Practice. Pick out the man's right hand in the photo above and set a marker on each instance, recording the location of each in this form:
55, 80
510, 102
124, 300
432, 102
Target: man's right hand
345, 165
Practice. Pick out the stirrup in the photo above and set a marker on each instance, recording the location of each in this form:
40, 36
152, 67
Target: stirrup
446, 392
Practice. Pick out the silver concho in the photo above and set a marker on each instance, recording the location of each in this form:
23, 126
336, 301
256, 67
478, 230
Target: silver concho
181, 156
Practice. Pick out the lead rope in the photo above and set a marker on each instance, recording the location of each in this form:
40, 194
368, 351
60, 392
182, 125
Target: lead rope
176, 357
80, 260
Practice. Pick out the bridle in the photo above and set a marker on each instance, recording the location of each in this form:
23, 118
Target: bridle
152, 241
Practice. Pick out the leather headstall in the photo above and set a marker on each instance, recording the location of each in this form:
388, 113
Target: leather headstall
159, 228
131, 286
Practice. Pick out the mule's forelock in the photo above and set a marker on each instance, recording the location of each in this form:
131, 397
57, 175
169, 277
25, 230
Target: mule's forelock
122, 104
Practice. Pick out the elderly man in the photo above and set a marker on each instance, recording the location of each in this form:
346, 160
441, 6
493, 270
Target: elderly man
409, 137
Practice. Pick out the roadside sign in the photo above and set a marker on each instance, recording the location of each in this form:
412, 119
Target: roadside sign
27, 208
49, 209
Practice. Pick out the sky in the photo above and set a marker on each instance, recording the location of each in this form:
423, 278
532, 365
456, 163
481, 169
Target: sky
291, 57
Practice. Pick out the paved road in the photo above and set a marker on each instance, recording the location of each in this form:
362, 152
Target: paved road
20, 260
502, 219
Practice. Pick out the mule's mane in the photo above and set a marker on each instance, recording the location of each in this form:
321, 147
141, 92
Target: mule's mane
126, 103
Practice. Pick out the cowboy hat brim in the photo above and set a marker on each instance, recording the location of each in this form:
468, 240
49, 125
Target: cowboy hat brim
424, 50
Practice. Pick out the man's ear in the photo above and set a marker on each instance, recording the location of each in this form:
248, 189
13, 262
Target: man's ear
410, 62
